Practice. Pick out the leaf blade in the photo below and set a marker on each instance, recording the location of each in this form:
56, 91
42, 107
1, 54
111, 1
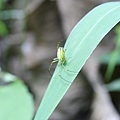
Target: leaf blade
58, 87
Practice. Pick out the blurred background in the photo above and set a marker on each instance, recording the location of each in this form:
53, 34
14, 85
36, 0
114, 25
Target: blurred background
29, 33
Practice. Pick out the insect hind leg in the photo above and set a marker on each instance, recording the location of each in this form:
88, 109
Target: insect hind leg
68, 70
62, 77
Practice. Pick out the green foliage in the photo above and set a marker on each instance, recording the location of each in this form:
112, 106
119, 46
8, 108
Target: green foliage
114, 57
2, 2
81, 42
3, 29
114, 86
106, 59
16, 103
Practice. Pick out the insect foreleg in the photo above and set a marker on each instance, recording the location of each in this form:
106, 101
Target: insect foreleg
58, 44
54, 60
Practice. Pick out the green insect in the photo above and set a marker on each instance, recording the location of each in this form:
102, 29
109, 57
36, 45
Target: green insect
61, 59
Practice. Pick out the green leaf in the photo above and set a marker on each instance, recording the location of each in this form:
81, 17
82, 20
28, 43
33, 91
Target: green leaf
81, 42
106, 59
114, 86
2, 2
115, 56
3, 29
16, 103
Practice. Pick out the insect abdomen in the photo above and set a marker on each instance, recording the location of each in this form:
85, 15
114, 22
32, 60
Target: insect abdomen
61, 55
